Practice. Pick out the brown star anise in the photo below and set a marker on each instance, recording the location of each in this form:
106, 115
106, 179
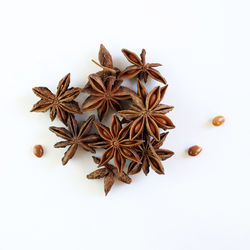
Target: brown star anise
106, 63
60, 104
151, 155
75, 137
116, 144
140, 67
104, 94
108, 172
146, 111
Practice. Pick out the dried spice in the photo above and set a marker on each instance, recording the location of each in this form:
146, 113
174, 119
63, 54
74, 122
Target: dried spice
60, 104
108, 172
140, 68
116, 144
75, 137
147, 112
38, 151
106, 63
218, 120
136, 138
151, 155
194, 150
104, 94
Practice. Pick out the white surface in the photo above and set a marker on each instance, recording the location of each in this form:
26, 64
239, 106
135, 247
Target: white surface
201, 203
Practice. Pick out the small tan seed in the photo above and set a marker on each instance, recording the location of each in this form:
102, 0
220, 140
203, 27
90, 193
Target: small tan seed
38, 150
218, 120
194, 150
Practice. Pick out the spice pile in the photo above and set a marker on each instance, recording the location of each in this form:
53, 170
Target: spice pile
135, 136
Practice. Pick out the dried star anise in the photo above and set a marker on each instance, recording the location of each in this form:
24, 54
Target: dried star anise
151, 155
147, 112
106, 63
108, 172
104, 94
140, 67
75, 137
60, 104
116, 144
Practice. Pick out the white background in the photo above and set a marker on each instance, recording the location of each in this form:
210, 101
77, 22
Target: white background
201, 202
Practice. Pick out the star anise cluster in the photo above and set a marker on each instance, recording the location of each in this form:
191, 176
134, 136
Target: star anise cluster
136, 139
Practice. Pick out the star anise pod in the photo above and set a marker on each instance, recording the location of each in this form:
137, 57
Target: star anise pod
61, 104
151, 155
108, 172
140, 68
116, 144
147, 112
104, 94
106, 63
75, 137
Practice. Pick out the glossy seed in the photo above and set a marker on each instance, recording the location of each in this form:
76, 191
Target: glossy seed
218, 120
38, 150
152, 100
152, 128
161, 120
194, 150
137, 127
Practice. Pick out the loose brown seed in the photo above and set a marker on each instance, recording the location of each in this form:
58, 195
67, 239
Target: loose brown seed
194, 150
218, 120
38, 150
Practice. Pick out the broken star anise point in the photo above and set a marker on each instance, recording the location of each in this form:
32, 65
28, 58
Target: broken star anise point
108, 172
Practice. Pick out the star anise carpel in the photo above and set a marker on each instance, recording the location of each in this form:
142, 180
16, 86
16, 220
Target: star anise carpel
146, 112
75, 136
150, 155
106, 63
116, 144
140, 68
108, 172
104, 94
61, 104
